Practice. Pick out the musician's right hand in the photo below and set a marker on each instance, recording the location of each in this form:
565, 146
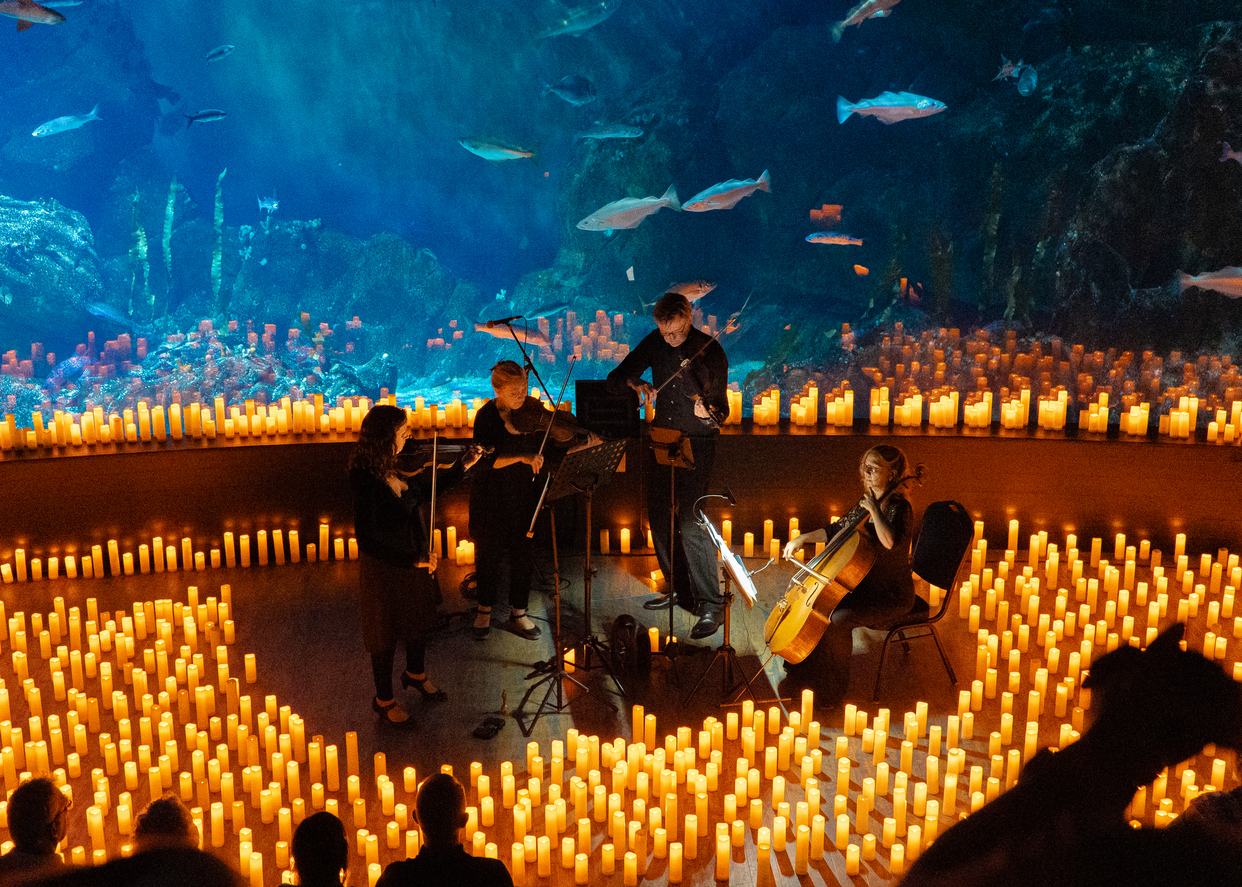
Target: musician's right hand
793, 545
535, 462
397, 485
646, 391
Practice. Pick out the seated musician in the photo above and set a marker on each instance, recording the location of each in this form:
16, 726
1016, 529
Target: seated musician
504, 494
886, 592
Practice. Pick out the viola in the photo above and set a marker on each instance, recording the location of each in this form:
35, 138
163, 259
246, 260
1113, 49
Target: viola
798, 621
532, 417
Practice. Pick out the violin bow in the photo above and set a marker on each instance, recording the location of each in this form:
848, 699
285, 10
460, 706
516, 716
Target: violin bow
431, 533
530, 532
730, 325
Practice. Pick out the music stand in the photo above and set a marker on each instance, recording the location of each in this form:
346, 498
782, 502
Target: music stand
672, 448
593, 463
734, 572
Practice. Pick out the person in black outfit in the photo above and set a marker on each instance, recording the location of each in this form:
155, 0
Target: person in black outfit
442, 861
694, 403
398, 594
320, 851
887, 591
38, 817
503, 498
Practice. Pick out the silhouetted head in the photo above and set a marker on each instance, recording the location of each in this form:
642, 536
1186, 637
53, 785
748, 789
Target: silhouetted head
441, 807
1167, 702
38, 813
320, 850
376, 450
165, 823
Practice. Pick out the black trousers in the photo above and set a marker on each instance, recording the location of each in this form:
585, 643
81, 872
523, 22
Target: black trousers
688, 559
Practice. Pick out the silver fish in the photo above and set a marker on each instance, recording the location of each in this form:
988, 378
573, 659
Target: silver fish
628, 212
573, 88
29, 13
1027, 80
580, 19
727, 194
492, 150
860, 13
1226, 281
890, 107
526, 336
268, 205
610, 131
219, 52
835, 238
693, 290
64, 124
207, 115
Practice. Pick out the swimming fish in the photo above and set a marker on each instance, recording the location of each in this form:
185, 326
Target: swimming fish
57, 4
862, 270
628, 212
64, 124
610, 131
693, 290
549, 310
525, 336
269, 205
860, 13
727, 194
890, 107
65, 371
207, 115
219, 52
834, 237
1226, 281
29, 13
573, 88
1027, 80
580, 19
1228, 153
491, 150
1008, 69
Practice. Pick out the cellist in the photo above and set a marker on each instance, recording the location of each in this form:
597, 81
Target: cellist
887, 591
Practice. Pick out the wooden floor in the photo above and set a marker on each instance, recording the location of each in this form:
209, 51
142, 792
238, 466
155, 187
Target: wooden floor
300, 622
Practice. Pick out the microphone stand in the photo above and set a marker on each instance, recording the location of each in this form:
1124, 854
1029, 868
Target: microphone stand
526, 361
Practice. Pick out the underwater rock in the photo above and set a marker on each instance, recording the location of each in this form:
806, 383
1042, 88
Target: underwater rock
48, 266
1158, 206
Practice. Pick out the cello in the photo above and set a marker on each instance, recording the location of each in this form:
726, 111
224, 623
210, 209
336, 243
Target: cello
797, 622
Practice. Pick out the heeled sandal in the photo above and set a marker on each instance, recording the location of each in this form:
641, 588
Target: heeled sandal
420, 684
390, 711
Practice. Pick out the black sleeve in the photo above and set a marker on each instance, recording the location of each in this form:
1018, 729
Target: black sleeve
381, 520
631, 369
716, 385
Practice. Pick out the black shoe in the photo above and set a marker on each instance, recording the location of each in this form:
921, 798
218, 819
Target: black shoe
709, 623
421, 686
664, 601
513, 626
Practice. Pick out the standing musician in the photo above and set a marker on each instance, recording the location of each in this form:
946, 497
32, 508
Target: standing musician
398, 592
504, 496
886, 592
694, 403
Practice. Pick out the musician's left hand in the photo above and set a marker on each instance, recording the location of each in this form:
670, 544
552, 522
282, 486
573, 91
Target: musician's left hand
699, 409
871, 503
592, 440
471, 457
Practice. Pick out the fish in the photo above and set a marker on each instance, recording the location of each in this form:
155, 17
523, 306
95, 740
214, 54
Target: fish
1027, 80
57, 4
269, 205
727, 194
489, 149
1228, 153
573, 88
1008, 69
1226, 281
835, 238
29, 13
525, 336
628, 212
207, 115
64, 124
890, 107
610, 131
549, 310
66, 371
862, 270
580, 20
219, 52
693, 290
107, 312
860, 13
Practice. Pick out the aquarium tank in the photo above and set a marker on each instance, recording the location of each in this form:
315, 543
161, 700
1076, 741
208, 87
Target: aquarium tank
258, 201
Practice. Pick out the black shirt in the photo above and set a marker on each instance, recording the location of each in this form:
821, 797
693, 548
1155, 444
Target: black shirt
446, 867
708, 374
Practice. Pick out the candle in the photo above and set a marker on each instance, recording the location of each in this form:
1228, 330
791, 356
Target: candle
580, 869
625, 540
674, 864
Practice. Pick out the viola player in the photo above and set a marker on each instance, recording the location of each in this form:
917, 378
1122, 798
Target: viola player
886, 591
694, 403
504, 496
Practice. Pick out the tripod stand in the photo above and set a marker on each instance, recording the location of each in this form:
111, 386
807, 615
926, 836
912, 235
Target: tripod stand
672, 448
569, 478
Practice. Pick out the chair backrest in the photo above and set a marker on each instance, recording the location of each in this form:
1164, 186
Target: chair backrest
943, 542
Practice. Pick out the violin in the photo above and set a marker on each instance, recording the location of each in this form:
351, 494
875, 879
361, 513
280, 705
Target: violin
798, 621
419, 455
534, 418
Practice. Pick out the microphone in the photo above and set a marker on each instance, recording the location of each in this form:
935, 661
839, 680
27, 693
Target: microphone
729, 495
502, 320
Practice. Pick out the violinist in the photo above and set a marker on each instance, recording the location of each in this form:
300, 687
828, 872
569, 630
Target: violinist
887, 590
693, 400
398, 593
503, 496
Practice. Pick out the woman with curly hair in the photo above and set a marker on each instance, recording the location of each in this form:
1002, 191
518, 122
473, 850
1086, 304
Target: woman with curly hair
398, 592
